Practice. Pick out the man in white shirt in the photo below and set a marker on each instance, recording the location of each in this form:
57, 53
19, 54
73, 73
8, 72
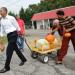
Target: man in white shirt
10, 26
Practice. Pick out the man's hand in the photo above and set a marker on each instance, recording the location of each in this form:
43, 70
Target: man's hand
70, 29
66, 31
54, 30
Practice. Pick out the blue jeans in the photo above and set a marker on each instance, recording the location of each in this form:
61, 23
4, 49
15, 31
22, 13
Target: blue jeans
20, 42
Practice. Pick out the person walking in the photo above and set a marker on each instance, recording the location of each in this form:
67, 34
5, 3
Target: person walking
68, 25
21, 33
10, 26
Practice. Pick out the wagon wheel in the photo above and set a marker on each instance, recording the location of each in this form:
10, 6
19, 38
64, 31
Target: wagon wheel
34, 54
43, 58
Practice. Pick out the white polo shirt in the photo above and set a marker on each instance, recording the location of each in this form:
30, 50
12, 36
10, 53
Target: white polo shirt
8, 24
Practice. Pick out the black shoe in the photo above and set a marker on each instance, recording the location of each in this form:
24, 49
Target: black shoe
22, 63
4, 70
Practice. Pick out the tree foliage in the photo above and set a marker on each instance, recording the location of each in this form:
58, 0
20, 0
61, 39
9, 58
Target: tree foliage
12, 14
22, 14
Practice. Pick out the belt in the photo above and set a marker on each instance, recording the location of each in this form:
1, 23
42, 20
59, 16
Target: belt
11, 33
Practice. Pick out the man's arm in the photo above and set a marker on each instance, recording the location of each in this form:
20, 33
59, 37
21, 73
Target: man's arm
16, 24
70, 29
73, 22
1, 31
55, 29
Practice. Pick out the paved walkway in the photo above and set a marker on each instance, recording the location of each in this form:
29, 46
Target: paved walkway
35, 67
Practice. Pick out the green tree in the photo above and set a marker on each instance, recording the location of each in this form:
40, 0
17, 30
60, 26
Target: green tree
33, 8
12, 14
73, 2
22, 14
63, 3
47, 5
28, 15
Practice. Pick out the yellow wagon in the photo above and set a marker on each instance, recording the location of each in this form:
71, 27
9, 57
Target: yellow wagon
42, 54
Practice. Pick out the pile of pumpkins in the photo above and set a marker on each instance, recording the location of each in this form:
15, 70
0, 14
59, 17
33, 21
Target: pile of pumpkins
49, 42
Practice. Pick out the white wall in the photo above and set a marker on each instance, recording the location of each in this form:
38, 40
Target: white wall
46, 24
40, 23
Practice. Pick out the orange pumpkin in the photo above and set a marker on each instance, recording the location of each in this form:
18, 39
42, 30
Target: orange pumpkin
50, 38
67, 34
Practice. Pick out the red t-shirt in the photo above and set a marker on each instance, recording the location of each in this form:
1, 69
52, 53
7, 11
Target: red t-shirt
21, 25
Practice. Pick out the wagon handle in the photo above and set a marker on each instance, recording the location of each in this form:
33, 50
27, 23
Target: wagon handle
27, 44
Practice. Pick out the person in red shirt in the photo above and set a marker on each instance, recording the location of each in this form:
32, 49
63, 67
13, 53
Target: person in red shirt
20, 40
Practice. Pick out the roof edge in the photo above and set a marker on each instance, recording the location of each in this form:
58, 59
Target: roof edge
54, 10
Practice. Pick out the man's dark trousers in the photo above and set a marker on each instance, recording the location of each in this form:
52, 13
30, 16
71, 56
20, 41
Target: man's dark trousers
12, 37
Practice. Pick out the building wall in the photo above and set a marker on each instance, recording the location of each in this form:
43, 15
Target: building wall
46, 24
41, 25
